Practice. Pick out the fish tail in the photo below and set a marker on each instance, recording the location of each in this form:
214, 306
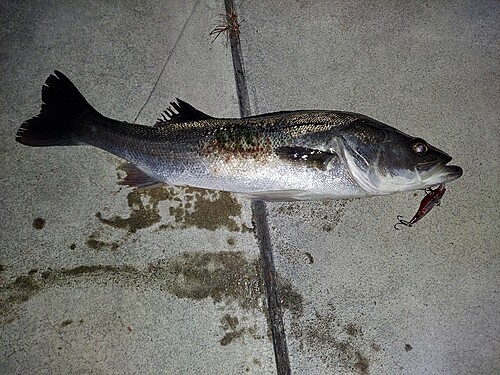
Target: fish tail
63, 109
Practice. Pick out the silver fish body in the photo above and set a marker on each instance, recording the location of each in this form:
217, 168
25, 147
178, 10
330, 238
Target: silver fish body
295, 155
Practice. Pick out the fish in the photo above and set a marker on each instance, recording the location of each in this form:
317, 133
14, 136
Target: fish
280, 156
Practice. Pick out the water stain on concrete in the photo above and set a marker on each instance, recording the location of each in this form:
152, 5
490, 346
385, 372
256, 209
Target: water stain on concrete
65, 323
321, 334
95, 243
234, 330
210, 211
221, 276
362, 363
229, 322
144, 210
38, 223
16, 293
186, 207
290, 299
315, 210
353, 330
230, 325
324, 336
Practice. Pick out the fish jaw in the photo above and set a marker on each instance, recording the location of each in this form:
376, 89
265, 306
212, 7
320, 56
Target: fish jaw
441, 174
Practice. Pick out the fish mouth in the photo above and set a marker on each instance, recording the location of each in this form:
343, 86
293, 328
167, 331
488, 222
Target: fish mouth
451, 172
442, 172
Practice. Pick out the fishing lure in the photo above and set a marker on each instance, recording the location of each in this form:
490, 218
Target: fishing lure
432, 198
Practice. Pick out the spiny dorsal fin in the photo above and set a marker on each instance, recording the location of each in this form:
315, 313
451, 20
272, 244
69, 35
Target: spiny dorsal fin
180, 111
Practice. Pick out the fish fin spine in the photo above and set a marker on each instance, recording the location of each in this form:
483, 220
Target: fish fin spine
135, 177
180, 111
63, 109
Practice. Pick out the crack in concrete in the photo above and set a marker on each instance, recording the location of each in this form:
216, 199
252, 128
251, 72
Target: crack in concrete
275, 317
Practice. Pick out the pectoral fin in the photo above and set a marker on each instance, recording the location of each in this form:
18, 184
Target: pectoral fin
308, 157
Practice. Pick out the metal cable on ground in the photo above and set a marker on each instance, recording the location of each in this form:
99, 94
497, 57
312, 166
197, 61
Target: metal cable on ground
167, 60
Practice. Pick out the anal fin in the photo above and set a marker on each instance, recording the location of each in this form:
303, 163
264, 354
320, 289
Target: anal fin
137, 178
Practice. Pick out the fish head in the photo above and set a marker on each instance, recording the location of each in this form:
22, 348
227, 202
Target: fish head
384, 160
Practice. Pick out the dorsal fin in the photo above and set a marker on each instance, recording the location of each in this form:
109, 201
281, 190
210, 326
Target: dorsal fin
180, 111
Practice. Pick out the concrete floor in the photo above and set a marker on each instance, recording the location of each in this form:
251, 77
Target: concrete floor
97, 279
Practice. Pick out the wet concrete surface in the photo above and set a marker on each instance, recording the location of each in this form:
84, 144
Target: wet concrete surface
98, 278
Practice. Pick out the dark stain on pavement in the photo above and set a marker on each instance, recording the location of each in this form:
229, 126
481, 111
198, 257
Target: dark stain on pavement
186, 207
65, 323
95, 243
353, 330
209, 211
309, 257
233, 330
315, 210
230, 325
290, 299
218, 275
38, 223
221, 276
144, 210
322, 335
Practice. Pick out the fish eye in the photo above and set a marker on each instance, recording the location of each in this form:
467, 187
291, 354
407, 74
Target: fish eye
420, 147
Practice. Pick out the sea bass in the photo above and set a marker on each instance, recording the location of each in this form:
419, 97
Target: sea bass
295, 155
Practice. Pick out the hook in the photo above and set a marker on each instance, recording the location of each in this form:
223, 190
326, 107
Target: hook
402, 222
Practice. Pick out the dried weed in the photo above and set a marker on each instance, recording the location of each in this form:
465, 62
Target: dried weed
229, 25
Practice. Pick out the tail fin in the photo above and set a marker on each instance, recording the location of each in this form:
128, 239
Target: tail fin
63, 108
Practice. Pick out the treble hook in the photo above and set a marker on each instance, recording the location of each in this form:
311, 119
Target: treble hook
432, 198
402, 222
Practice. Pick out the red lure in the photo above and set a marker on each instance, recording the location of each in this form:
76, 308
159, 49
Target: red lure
432, 198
